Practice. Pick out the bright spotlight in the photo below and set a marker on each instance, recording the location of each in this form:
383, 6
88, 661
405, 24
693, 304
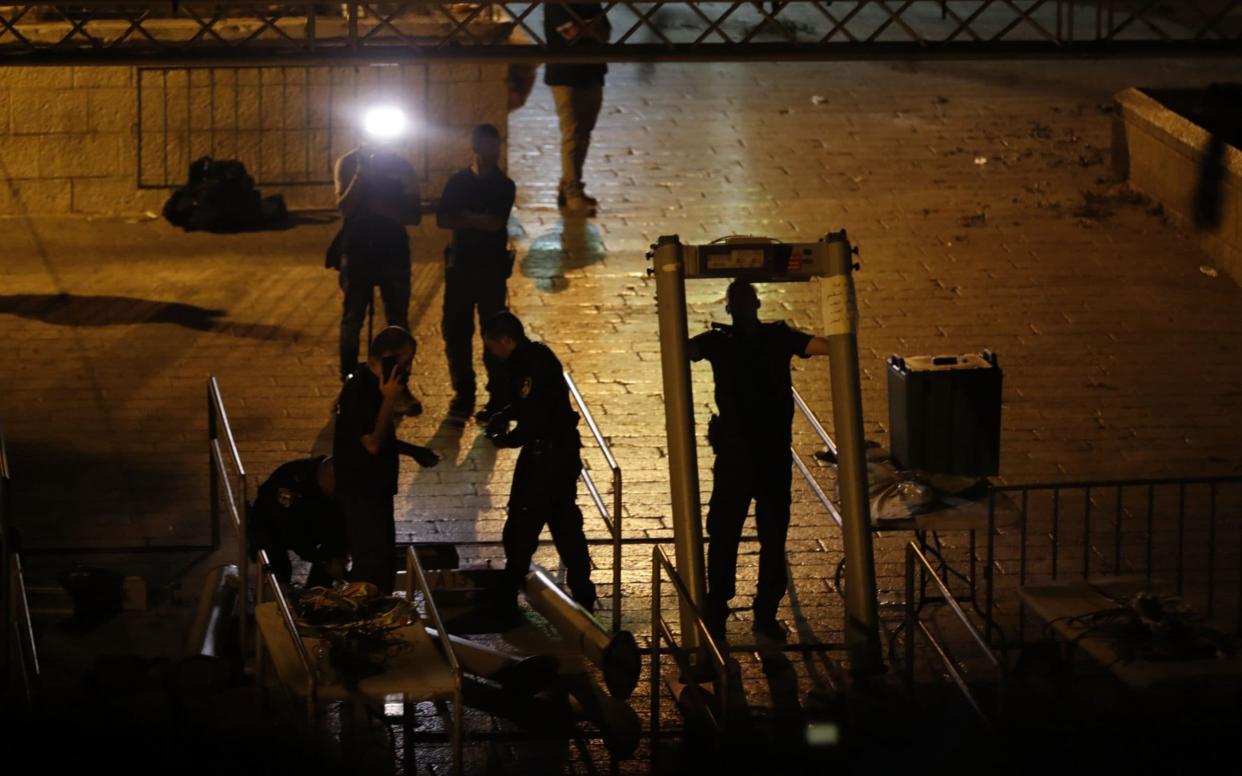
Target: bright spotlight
385, 122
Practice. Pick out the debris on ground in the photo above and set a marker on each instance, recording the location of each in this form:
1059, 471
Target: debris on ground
1208, 270
975, 220
981, 160
819, 99
1102, 205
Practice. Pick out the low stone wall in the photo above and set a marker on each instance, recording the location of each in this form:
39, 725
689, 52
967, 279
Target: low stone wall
115, 139
1161, 152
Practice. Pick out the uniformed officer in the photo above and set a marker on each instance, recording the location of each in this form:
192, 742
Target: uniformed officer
545, 480
476, 204
751, 437
295, 510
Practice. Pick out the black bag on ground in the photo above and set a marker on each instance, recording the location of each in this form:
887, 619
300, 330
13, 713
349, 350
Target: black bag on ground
220, 197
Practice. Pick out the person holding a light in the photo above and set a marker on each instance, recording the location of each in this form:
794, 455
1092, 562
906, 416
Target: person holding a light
378, 195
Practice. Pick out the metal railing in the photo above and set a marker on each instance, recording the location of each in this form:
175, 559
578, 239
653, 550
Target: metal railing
220, 458
1072, 530
93, 31
414, 575
914, 625
818, 427
283, 121
22, 630
661, 633
19, 661
286, 614
613, 523
6, 549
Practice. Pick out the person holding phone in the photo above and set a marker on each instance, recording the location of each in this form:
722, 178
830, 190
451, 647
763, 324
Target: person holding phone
366, 449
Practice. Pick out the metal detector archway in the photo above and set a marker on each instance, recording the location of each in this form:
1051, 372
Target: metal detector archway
830, 263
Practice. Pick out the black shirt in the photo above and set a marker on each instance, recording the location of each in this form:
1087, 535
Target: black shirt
368, 235
539, 397
562, 31
753, 387
292, 513
492, 194
356, 411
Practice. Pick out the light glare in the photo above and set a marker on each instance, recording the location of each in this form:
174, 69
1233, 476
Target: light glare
384, 122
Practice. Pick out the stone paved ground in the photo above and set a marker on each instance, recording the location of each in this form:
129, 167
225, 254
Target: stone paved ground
980, 195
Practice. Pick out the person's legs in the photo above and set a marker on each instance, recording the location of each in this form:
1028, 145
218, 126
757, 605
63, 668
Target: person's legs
568, 120
356, 287
458, 328
565, 523
772, 522
528, 509
586, 102
394, 283
490, 295
372, 537
732, 481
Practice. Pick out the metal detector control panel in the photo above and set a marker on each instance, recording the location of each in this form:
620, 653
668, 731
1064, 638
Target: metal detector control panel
756, 258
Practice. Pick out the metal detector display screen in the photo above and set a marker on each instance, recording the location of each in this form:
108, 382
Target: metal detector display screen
735, 259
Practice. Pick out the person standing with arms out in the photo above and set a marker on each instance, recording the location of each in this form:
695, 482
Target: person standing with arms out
751, 438
578, 90
476, 205
365, 448
545, 480
378, 196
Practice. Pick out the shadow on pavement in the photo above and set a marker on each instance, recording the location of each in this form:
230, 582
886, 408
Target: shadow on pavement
106, 310
574, 244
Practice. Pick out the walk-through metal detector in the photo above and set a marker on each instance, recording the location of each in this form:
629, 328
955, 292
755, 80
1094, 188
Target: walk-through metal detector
830, 263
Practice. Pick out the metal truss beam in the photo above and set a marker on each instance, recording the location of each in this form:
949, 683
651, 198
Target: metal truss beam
164, 33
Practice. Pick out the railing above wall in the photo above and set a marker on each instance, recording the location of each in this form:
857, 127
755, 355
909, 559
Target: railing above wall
147, 32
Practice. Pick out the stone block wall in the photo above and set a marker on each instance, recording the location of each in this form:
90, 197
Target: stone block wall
115, 139
1161, 152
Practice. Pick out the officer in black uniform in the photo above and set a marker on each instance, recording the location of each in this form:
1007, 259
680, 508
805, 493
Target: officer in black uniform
365, 447
545, 480
751, 438
476, 204
295, 510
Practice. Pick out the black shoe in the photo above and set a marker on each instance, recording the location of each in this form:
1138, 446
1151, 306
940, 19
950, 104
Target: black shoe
504, 615
769, 629
460, 408
716, 619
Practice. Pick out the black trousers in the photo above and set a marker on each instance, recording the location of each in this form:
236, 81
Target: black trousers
360, 274
741, 473
372, 535
545, 489
465, 293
